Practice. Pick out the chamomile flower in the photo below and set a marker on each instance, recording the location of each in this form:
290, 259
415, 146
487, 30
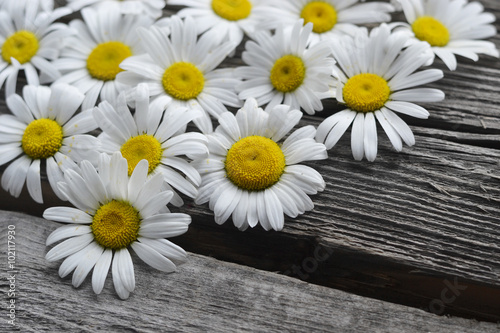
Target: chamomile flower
282, 69
114, 212
225, 19
330, 18
151, 8
160, 141
90, 60
377, 77
44, 127
255, 176
451, 27
29, 40
179, 70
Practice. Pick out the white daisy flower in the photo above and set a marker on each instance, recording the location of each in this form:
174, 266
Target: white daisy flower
330, 18
114, 212
160, 141
44, 127
225, 19
179, 71
451, 27
377, 77
282, 69
152, 8
252, 174
28, 40
90, 60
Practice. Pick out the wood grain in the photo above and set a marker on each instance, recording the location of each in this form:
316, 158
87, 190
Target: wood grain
400, 229
205, 294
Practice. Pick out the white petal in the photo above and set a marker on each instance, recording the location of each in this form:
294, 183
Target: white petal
228, 122
101, 270
418, 95
262, 212
370, 137
274, 210
14, 176
67, 231
240, 211
118, 177
122, 292
156, 203
69, 247
33, 181
70, 263
92, 254
163, 229
390, 131
67, 215
338, 129
19, 108
448, 58
137, 179
165, 248
153, 258
125, 268
408, 108
55, 175
226, 203
252, 213
400, 126
357, 137
168, 217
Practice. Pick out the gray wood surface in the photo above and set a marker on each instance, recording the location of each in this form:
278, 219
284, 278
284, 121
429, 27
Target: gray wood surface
205, 294
419, 228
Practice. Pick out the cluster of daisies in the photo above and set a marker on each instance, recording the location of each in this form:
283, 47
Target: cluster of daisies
120, 105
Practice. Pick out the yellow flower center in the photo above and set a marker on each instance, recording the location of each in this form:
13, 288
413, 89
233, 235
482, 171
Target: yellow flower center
232, 10
254, 163
21, 45
183, 81
104, 60
115, 225
288, 73
366, 92
142, 147
430, 30
322, 15
42, 138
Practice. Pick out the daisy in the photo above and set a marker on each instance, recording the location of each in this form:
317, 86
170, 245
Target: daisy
225, 19
330, 18
114, 213
28, 40
451, 27
161, 143
152, 8
282, 68
377, 77
104, 39
252, 174
44, 127
179, 71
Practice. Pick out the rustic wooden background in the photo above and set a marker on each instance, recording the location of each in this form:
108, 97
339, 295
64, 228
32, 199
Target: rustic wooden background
395, 245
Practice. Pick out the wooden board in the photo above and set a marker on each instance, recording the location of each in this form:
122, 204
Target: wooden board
205, 294
419, 228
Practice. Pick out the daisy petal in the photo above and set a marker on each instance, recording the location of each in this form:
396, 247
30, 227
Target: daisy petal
101, 270
151, 257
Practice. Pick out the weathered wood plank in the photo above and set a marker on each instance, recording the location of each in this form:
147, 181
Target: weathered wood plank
204, 295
